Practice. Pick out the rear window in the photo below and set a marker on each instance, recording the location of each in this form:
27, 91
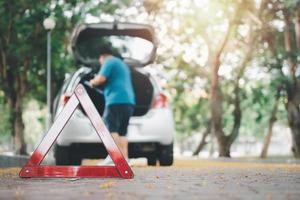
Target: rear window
124, 46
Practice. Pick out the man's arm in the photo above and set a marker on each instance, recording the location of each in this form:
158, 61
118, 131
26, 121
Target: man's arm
98, 80
103, 74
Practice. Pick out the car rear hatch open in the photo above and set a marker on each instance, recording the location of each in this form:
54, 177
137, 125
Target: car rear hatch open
135, 43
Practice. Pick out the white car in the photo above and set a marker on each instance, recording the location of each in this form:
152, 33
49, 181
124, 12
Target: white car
151, 129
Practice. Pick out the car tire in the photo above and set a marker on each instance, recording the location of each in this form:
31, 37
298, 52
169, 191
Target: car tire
151, 160
63, 156
165, 155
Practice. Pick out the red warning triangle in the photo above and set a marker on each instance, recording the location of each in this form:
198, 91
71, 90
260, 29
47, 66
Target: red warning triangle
33, 167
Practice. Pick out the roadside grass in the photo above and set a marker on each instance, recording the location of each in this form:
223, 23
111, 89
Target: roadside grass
198, 163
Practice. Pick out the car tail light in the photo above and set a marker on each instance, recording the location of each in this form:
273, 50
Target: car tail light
160, 101
65, 98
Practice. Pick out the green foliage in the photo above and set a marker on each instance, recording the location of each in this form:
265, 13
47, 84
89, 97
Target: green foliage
189, 100
29, 39
290, 4
23, 42
257, 96
4, 120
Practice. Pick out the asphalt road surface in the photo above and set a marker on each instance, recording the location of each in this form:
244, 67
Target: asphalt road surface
187, 179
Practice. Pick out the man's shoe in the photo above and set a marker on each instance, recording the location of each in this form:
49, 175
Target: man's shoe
128, 162
138, 162
107, 162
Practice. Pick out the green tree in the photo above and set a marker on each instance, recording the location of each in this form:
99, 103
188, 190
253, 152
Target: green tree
23, 55
20, 45
4, 118
222, 44
282, 58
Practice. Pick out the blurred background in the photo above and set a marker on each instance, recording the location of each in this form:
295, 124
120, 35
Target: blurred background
230, 69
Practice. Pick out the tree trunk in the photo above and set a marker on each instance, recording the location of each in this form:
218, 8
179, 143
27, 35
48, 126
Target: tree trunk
288, 44
202, 142
297, 26
293, 111
225, 142
17, 125
216, 109
272, 120
19, 140
294, 123
224, 146
293, 87
15, 91
293, 104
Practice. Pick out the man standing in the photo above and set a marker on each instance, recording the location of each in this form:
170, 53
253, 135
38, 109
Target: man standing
119, 96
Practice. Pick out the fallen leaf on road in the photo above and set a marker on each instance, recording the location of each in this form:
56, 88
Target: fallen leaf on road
9, 172
149, 186
107, 185
269, 197
88, 193
131, 193
73, 179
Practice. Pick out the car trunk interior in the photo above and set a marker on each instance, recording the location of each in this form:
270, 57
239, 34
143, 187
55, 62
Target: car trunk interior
143, 89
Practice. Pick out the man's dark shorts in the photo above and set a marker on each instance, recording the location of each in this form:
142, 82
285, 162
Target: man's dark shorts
116, 117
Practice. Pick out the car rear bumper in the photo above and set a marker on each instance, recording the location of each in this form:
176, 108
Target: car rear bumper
98, 151
156, 126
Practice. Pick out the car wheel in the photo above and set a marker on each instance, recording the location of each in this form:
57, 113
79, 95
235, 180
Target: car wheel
166, 155
151, 160
64, 157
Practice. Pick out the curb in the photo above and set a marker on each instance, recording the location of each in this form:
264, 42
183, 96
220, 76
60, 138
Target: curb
13, 161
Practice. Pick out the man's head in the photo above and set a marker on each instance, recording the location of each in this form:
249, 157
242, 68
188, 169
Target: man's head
104, 53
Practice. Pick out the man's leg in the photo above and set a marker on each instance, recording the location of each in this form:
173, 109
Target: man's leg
122, 115
122, 143
108, 161
116, 138
127, 113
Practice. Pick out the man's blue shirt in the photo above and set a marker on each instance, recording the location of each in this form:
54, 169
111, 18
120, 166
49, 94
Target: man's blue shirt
118, 88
